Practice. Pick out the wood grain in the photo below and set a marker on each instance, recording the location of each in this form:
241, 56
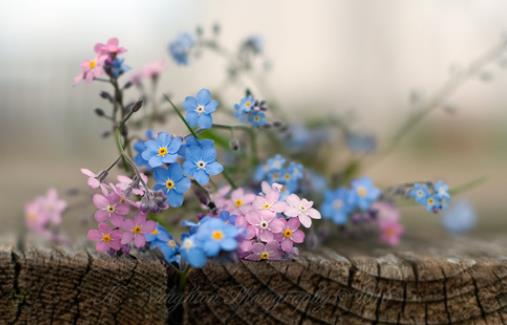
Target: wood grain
45, 286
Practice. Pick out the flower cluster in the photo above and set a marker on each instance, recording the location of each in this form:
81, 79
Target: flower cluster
271, 224
43, 215
106, 61
180, 48
278, 170
251, 111
434, 197
122, 220
211, 237
175, 161
342, 202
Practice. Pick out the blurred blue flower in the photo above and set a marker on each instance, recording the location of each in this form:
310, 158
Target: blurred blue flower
257, 119
337, 205
180, 48
172, 183
116, 67
192, 252
364, 193
214, 235
460, 217
419, 192
278, 170
162, 150
140, 147
361, 143
200, 162
441, 189
163, 241
254, 43
199, 108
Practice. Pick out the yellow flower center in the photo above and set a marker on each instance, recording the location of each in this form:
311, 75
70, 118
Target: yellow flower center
302, 208
287, 176
238, 203
390, 232
248, 104
171, 243
110, 208
217, 235
275, 176
431, 201
188, 244
257, 118
162, 151
287, 233
169, 184
264, 255
266, 206
137, 229
92, 64
106, 237
154, 231
361, 190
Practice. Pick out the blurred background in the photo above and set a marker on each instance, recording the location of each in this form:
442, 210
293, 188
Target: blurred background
376, 58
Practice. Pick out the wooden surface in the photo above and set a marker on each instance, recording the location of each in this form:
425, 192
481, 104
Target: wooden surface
44, 286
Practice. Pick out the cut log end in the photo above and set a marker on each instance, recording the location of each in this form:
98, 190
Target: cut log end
44, 286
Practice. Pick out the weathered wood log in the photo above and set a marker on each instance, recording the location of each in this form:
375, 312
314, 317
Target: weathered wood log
44, 286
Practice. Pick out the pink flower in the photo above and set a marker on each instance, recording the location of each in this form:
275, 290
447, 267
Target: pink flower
90, 69
302, 209
219, 198
386, 211
261, 252
290, 234
134, 230
152, 71
241, 201
265, 225
93, 181
43, 215
110, 207
390, 231
105, 237
269, 202
125, 183
110, 49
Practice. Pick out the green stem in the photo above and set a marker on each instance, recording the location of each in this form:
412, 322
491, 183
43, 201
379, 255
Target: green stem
229, 179
468, 185
176, 109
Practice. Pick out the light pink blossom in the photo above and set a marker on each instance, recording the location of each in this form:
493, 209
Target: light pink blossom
386, 211
90, 69
93, 181
390, 231
265, 225
125, 183
135, 229
220, 200
241, 201
290, 234
302, 209
110, 49
269, 251
110, 207
269, 203
106, 238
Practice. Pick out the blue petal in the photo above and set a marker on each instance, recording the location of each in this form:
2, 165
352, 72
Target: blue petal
190, 103
211, 248
229, 244
183, 185
203, 96
211, 107
155, 161
201, 177
175, 145
205, 121
214, 168
196, 257
174, 171
169, 159
174, 198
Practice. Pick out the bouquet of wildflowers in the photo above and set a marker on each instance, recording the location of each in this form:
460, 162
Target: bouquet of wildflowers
210, 193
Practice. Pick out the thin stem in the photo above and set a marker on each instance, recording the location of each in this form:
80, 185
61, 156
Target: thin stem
181, 116
251, 134
229, 179
447, 90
